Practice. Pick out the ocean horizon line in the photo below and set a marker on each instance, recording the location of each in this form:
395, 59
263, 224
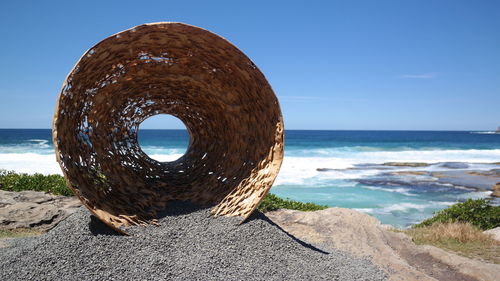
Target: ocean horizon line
316, 130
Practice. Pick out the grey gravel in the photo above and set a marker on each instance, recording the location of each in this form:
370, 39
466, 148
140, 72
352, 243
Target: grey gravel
189, 245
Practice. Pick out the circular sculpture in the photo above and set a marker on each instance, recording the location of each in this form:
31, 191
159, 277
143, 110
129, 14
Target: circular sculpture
231, 113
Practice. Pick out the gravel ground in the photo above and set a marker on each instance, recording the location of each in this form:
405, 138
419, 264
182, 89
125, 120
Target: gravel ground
189, 245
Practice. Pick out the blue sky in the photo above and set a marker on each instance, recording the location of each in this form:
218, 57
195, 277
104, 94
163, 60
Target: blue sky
416, 65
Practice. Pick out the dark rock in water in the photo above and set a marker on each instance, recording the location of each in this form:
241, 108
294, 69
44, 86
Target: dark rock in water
409, 173
32, 209
479, 180
188, 244
324, 169
454, 165
493, 173
414, 184
498, 130
406, 164
457, 178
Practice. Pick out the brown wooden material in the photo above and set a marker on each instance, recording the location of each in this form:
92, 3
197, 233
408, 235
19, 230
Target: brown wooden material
232, 115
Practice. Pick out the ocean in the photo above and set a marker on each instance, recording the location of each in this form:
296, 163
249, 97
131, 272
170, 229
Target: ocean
334, 168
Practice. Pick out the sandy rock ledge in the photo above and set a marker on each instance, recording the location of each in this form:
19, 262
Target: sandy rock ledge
494, 233
364, 236
36, 210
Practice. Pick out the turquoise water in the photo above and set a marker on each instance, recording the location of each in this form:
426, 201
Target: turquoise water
399, 201
352, 175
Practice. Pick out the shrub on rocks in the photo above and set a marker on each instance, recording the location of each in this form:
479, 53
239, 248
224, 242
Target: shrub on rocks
476, 212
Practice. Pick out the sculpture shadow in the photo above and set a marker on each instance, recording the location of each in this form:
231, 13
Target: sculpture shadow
177, 208
257, 215
97, 227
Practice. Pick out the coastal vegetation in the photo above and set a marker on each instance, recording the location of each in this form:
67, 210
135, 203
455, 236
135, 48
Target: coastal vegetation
476, 212
12, 181
459, 228
462, 238
272, 202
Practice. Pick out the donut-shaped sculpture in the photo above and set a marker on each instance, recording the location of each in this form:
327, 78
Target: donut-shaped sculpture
229, 109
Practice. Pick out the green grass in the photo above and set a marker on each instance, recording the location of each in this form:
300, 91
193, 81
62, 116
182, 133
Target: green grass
272, 202
459, 237
19, 232
459, 228
12, 181
476, 212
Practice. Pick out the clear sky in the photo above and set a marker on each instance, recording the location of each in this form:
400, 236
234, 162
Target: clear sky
402, 64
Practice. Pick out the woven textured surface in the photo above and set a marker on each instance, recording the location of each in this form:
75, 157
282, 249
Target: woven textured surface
232, 115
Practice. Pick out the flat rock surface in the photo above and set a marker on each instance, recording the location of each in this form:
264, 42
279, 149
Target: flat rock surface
496, 190
36, 210
477, 176
364, 236
189, 244
475, 179
494, 233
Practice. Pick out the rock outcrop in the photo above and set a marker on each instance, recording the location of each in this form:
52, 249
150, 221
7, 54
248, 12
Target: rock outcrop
496, 190
335, 228
406, 164
363, 235
494, 233
32, 209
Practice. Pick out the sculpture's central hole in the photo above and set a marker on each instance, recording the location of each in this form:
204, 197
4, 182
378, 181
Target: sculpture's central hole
163, 137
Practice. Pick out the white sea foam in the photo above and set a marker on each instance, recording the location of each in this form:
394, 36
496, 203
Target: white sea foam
295, 169
30, 163
401, 190
36, 146
40, 143
46, 163
430, 156
165, 157
403, 207
298, 170
484, 133
475, 195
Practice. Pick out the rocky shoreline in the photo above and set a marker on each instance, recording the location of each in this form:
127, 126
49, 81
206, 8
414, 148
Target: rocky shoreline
356, 235
188, 244
40, 211
453, 174
364, 236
